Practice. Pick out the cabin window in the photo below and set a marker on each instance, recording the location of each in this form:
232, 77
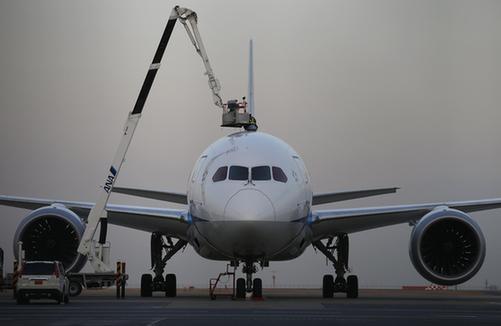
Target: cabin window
239, 173
220, 174
279, 174
261, 173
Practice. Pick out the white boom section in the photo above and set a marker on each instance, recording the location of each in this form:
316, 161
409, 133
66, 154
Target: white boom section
184, 15
98, 212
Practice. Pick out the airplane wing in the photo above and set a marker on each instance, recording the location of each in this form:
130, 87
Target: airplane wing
171, 222
348, 195
325, 223
172, 197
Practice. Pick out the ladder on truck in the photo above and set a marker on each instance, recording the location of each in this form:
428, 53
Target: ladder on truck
98, 215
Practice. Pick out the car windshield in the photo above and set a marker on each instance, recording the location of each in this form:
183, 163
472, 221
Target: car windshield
239, 173
261, 173
38, 268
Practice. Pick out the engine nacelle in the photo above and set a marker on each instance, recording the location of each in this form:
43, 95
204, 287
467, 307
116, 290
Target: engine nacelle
52, 233
447, 247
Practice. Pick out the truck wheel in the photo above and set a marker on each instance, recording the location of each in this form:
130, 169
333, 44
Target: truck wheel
75, 288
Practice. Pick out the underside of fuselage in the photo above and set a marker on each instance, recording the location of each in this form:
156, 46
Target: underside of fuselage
249, 240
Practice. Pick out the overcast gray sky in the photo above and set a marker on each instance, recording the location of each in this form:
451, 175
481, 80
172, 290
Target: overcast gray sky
370, 93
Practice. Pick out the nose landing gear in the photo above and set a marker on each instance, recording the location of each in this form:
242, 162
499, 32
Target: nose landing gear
330, 285
248, 284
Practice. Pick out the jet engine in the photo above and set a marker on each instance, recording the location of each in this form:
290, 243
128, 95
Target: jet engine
447, 247
52, 233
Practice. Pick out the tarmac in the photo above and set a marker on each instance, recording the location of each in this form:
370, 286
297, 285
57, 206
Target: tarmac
278, 307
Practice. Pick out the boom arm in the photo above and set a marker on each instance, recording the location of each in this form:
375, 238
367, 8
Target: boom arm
98, 213
184, 15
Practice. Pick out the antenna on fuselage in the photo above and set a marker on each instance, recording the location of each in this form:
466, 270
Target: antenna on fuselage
250, 94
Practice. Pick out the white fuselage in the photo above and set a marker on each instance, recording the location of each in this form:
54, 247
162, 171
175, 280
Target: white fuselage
249, 198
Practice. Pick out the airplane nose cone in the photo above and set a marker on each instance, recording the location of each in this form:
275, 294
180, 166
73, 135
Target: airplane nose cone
249, 205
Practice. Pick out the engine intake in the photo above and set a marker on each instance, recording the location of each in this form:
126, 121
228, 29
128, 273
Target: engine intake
447, 247
52, 233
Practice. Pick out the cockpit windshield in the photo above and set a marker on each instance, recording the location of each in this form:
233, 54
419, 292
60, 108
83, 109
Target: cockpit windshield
279, 174
261, 173
258, 173
239, 173
220, 174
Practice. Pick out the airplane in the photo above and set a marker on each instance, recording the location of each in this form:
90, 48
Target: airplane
249, 201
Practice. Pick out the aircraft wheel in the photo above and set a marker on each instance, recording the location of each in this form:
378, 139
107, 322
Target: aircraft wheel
170, 285
328, 286
240, 288
257, 288
146, 285
352, 287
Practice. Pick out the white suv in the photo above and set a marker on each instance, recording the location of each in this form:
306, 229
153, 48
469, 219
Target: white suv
42, 279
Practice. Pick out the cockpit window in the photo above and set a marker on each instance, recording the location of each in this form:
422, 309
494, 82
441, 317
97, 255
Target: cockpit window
239, 173
220, 174
261, 173
278, 174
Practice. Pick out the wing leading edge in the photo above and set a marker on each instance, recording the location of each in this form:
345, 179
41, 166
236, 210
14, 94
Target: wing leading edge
325, 223
318, 199
172, 197
332, 197
171, 222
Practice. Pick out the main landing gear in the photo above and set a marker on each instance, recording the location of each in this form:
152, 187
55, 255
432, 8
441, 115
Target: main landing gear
149, 284
248, 285
331, 285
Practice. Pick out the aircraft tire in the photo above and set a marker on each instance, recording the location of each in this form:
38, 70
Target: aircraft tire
146, 285
328, 286
240, 288
170, 285
257, 288
352, 287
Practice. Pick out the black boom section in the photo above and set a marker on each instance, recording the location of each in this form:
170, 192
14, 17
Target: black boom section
152, 72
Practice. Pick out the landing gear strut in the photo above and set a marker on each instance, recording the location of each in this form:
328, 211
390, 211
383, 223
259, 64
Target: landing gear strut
340, 248
149, 284
248, 284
